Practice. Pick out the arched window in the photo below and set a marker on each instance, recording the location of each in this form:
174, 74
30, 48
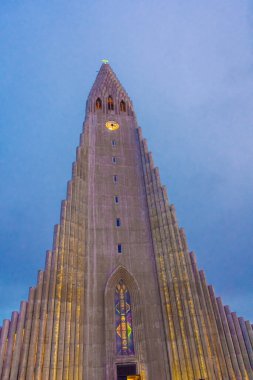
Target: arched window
98, 104
110, 103
123, 317
122, 106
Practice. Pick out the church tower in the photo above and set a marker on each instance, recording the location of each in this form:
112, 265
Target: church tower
121, 295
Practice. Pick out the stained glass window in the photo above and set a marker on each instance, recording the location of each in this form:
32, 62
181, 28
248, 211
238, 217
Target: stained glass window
123, 314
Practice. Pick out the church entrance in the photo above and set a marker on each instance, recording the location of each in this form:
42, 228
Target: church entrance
124, 370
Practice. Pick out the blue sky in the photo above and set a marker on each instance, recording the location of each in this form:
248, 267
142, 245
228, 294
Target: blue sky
187, 65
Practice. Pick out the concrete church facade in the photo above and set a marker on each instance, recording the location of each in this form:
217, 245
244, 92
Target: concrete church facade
121, 295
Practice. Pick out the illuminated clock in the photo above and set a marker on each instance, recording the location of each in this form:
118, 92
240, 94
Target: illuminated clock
112, 125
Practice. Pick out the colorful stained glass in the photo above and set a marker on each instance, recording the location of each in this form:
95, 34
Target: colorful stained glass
123, 314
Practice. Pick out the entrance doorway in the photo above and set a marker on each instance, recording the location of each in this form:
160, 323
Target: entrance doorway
124, 370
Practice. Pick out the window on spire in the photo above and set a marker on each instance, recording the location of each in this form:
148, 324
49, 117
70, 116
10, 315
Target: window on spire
98, 104
123, 314
110, 103
122, 106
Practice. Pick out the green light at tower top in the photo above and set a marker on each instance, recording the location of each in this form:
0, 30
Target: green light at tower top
105, 61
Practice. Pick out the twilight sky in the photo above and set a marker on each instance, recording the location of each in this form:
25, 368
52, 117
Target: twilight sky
188, 67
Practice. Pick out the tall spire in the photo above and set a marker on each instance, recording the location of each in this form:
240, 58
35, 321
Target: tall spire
120, 293
107, 84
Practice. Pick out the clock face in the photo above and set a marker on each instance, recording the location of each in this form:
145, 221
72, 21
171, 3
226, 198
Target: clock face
112, 125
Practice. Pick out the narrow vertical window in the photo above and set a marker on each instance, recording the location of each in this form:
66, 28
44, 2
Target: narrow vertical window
113, 143
114, 160
110, 104
123, 319
116, 199
115, 178
119, 248
118, 222
122, 106
98, 104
